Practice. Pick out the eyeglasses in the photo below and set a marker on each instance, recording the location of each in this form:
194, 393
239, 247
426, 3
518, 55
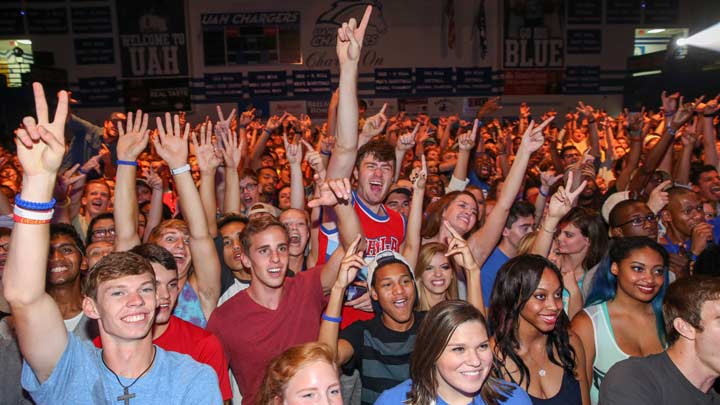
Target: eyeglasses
249, 187
640, 221
102, 233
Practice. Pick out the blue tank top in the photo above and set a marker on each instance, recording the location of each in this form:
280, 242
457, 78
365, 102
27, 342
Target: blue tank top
569, 393
188, 307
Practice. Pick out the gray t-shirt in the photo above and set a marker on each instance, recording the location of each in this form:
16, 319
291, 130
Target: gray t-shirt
80, 377
652, 380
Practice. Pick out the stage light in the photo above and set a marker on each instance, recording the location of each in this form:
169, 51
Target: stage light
708, 38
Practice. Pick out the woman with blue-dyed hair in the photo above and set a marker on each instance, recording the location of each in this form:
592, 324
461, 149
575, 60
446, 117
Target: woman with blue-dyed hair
623, 311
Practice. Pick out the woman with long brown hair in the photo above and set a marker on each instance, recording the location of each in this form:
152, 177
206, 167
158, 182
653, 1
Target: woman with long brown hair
451, 363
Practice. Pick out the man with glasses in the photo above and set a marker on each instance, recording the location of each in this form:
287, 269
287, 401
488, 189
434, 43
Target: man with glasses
249, 192
633, 218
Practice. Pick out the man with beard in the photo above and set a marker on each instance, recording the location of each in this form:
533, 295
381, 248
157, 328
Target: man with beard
267, 182
297, 223
172, 333
65, 263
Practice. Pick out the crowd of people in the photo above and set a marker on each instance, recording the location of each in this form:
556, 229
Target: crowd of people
362, 259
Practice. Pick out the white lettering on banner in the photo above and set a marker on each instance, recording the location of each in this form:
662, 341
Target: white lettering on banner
545, 53
153, 61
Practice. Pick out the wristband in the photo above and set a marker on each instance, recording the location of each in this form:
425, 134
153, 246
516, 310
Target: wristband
542, 226
32, 215
331, 318
34, 206
543, 194
591, 122
710, 115
127, 163
21, 220
82, 171
180, 170
322, 152
671, 131
669, 114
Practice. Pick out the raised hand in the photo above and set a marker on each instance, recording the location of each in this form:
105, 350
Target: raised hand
711, 107
224, 125
350, 38
64, 183
205, 151
419, 178
331, 192
246, 117
41, 143
524, 111
466, 141
352, 263
293, 151
315, 160
153, 179
375, 124
533, 138
548, 179
327, 143
231, 149
659, 198
171, 146
489, 107
635, 120
133, 137
407, 141
459, 251
682, 115
586, 110
670, 102
563, 200
274, 122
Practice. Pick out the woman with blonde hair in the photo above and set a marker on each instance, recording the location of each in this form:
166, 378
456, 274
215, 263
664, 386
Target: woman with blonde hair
302, 374
435, 276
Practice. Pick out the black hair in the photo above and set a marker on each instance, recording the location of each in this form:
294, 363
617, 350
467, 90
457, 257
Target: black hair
519, 209
104, 215
156, 254
698, 171
67, 230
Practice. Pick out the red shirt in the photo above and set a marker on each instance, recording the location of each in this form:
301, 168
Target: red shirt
252, 334
183, 337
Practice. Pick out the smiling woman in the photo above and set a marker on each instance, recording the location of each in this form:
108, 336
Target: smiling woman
451, 363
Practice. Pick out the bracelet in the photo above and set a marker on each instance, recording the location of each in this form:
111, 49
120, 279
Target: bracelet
82, 171
64, 204
32, 215
543, 194
322, 152
671, 131
180, 170
21, 220
127, 163
591, 122
331, 318
34, 206
669, 114
542, 226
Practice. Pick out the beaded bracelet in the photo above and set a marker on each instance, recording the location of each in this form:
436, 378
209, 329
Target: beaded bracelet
127, 163
331, 318
35, 206
180, 170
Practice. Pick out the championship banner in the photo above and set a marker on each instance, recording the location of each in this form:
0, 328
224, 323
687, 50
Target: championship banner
152, 38
533, 34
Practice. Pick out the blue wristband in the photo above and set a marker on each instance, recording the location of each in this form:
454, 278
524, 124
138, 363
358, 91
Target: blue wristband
34, 206
541, 193
82, 171
322, 152
127, 163
332, 319
671, 131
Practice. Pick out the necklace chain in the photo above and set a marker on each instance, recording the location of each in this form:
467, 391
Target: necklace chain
140, 376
